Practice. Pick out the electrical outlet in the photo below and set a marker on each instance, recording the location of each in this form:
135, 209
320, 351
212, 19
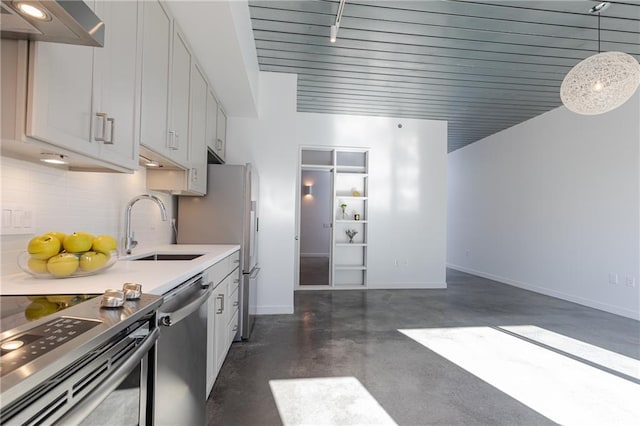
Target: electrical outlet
17, 219
395, 263
613, 278
630, 281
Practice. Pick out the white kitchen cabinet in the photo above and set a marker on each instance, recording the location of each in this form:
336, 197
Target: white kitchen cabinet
156, 126
212, 116
222, 318
221, 324
116, 80
179, 104
197, 175
83, 99
221, 133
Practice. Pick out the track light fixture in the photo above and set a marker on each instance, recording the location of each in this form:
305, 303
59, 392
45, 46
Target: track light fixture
333, 36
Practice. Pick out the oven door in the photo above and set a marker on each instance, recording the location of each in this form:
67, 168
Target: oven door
125, 397
113, 384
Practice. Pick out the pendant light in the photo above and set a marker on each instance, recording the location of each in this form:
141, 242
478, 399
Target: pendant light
601, 82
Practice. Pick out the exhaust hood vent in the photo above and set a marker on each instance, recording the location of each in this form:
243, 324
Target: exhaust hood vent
60, 21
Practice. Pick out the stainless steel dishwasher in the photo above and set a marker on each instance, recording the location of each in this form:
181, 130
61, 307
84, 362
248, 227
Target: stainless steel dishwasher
180, 397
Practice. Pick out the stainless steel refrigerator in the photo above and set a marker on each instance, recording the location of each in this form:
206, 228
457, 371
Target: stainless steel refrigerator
228, 214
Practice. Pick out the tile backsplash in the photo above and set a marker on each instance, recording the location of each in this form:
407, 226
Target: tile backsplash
79, 201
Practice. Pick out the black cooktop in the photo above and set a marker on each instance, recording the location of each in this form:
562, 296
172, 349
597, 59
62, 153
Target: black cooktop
18, 310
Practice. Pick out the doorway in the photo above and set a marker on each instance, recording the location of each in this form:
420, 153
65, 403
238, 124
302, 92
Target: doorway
315, 227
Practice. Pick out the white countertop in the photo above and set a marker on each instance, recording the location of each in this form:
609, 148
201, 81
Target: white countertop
156, 277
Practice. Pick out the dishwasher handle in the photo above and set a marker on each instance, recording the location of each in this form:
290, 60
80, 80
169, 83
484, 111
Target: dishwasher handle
99, 394
169, 319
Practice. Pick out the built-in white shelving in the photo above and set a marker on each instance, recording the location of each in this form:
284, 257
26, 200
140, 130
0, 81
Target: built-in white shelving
349, 170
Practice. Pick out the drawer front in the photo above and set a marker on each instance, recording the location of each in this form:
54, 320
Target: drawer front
234, 261
217, 272
234, 302
234, 282
233, 329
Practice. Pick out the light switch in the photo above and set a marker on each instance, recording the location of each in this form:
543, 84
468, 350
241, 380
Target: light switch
6, 218
16, 219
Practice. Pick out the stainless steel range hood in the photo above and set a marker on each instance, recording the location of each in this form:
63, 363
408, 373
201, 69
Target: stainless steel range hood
63, 21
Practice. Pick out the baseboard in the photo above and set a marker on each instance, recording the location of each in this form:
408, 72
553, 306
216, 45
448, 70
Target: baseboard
612, 309
274, 310
314, 254
406, 285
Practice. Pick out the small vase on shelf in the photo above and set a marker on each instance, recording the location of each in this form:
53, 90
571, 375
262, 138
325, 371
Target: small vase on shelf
343, 206
351, 233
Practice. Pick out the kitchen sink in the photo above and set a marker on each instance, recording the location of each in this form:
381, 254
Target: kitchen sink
169, 256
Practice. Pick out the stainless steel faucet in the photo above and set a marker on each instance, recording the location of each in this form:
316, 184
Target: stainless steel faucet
129, 242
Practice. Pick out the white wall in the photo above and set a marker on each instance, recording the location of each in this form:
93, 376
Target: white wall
407, 184
552, 205
315, 214
78, 201
220, 34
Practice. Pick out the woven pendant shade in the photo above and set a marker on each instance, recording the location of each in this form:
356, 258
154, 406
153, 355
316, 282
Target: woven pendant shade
600, 83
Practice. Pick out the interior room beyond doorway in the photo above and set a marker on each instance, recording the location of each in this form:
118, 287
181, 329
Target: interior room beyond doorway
315, 227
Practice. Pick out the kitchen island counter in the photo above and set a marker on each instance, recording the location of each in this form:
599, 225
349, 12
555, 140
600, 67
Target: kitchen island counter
156, 277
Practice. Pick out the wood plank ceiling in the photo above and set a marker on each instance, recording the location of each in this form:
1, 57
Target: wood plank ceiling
482, 65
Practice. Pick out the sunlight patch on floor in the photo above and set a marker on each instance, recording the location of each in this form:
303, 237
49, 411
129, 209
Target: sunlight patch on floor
614, 361
327, 401
562, 389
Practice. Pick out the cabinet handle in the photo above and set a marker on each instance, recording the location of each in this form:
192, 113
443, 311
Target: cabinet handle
170, 139
112, 122
236, 303
218, 144
194, 175
103, 116
235, 327
236, 281
236, 260
220, 297
177, 139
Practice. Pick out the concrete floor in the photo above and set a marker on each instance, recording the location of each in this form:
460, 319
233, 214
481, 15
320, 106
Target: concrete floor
355, 334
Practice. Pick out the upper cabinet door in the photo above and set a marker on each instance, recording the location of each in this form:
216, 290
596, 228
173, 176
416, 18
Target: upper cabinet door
116, 75
156, 60
198, 140
82, 98
221, 133
180, 91
212, 115
59, 96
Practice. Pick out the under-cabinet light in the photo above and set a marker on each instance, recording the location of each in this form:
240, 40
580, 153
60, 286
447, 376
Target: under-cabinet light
51, 158
33, 11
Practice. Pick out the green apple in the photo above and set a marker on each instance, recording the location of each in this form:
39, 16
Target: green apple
78, 242
63, 265
39, 266
104, 244
93, 260
62, 299
59, 235
43, 247
40, 308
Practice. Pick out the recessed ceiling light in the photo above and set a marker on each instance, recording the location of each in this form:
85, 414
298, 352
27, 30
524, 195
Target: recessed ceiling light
50, 158
33, 11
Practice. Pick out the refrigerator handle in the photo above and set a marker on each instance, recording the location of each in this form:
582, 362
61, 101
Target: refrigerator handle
257, 224
254, 273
